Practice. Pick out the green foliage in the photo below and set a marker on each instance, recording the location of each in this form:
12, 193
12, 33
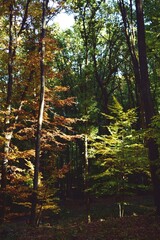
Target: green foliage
119, 154
84, 67
153, 131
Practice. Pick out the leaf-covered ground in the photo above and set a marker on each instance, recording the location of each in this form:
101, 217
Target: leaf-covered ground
139, 222
126, 228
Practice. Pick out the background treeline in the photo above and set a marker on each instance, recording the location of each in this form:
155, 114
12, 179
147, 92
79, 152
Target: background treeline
79, 108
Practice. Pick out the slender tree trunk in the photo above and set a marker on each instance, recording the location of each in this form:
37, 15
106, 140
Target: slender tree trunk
100, 82
86, 183
147, 101
40, 120
86, 162
135, 62
24, 17
7, 129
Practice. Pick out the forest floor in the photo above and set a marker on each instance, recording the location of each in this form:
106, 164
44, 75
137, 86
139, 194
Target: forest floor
138, 223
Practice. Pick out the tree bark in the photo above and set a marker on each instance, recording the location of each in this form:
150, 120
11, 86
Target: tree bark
134, 59
40, 119
146, 98
24, 17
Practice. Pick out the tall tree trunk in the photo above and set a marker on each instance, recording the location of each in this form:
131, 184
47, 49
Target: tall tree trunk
86, 182
128, 28
40, 119
146, 98
86, 161
7, 129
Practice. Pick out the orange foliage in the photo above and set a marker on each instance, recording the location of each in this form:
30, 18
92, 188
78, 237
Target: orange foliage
63, 121
65, 169
61, 89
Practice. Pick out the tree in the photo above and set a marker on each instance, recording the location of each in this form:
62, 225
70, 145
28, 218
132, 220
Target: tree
129, 32
118, 156
40, 116
41, 70
151, 11
25, 68
8, 119
15, 100
8, 132
147, 102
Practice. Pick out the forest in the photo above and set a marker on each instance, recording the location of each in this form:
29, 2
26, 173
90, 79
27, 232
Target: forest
80, 120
